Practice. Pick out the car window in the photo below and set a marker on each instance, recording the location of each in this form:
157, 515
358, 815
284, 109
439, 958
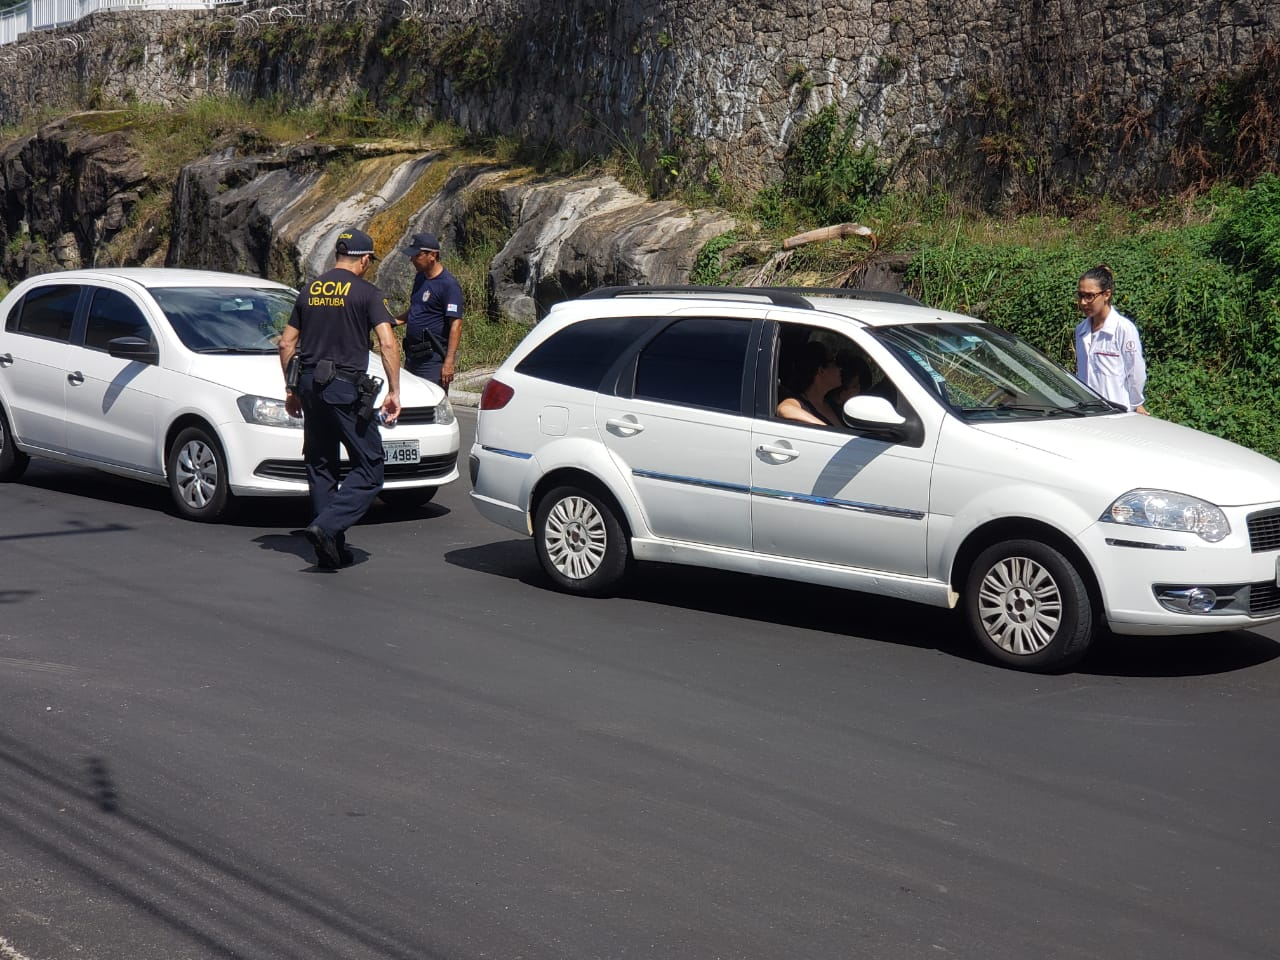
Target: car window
226, 319
580, 355
985, 373
113, 314
696, 362
46, 312
816, 371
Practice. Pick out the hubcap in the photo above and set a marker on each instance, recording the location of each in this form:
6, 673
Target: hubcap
576, 537
197, 474
1020, 606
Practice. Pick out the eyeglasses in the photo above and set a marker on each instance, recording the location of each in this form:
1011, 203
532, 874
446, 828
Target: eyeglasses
1083, 296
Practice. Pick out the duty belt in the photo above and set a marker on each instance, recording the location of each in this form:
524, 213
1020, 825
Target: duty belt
352, 378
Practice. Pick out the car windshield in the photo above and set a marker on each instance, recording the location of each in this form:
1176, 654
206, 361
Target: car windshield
226, 319
985, 373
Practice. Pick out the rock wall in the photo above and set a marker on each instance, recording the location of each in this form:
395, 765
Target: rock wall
1035, 96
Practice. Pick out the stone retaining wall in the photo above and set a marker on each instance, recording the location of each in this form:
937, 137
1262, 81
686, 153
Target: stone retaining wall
1000, 95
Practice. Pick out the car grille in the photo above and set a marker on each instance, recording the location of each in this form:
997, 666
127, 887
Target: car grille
1264, 531
1264, 599
424, 469
416, 416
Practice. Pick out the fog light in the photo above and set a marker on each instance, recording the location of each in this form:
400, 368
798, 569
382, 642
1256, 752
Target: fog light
1188, 599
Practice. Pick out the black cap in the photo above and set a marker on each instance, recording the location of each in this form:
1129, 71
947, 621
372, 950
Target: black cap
354, 243
422, 241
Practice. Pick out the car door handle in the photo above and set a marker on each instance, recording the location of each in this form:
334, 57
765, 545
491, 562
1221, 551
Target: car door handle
782, 453
6, 359
75, 378
628, 426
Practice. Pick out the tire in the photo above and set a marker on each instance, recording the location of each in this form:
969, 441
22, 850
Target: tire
198, 477
12, 460
1028, 606
580, 541
407, 499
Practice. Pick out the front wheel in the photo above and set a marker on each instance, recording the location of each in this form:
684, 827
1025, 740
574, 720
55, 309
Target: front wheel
12, 460
581, 543
1028, 606
198, 477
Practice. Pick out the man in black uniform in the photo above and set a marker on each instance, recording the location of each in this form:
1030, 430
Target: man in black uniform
329, 330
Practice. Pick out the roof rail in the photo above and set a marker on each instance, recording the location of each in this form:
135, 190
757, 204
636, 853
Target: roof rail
775, 295
779, 296
856, 293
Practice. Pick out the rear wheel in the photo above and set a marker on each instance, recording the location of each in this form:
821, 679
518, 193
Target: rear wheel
1028, 606
198, 476
408, 498
580, 541
12, 460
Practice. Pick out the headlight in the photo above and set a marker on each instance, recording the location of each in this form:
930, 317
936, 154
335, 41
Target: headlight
1165, 510
444, 412
266, 412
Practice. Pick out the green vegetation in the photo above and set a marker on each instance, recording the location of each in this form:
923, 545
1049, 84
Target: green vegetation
825, 177
1204, 290
1200, 278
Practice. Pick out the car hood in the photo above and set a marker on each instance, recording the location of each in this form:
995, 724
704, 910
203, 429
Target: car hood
259, 375
1132, 450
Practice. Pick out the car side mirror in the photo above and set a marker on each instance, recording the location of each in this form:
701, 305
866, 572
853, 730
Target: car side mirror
876, 416
133, 348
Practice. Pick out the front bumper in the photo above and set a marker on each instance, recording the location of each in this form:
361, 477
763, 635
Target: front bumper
1137, 568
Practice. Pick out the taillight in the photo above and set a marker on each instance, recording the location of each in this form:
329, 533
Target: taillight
496, 395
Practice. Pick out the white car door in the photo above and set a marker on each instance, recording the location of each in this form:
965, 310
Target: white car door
33, 364
831, 495
678, 429
111, 403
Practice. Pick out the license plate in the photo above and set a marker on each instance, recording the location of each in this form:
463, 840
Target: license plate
400, 451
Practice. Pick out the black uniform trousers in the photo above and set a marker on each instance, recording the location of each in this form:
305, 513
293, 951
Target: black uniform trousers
329, 420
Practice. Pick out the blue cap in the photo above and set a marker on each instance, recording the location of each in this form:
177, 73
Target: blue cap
354, 243
422, 241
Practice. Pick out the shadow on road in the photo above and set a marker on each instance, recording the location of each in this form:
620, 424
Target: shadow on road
292, 512
210, 894
826, 609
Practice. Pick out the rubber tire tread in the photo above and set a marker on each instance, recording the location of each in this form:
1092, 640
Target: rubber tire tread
223, 503
13, 462
617, 557
1079, 619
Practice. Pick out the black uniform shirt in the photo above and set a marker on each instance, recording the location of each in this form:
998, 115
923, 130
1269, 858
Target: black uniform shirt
334, 315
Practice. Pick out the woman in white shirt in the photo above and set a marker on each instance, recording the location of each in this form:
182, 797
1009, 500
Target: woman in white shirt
1108, 349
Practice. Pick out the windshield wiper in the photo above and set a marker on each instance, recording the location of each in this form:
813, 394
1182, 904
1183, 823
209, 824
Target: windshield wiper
1100, 404
1048, 409
1045, 409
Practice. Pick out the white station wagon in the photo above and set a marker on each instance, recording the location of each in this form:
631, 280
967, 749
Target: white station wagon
967, 470
173, 377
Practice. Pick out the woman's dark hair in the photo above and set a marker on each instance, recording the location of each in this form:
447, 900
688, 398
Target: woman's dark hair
851, 366
805, 362
1101, 275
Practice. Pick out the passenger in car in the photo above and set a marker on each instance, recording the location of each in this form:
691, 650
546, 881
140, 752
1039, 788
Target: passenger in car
855, 378
813, 374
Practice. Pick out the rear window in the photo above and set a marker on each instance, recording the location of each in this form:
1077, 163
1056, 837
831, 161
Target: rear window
46, 312
697, 363
580, 355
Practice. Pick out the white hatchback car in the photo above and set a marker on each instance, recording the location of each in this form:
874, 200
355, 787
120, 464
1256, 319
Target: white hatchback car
968, 469
172, 376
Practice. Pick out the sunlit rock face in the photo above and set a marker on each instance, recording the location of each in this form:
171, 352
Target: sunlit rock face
280, 216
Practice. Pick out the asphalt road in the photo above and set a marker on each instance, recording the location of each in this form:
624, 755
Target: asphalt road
210, 749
